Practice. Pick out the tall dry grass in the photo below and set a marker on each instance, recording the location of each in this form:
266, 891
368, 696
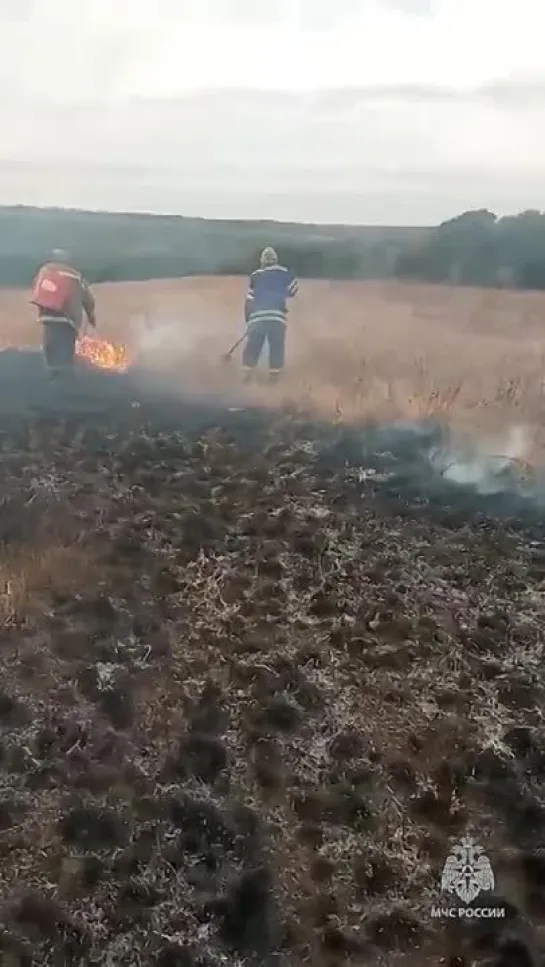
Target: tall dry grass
356, 349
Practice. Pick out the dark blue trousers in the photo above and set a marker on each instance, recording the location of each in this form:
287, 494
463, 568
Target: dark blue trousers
266, 331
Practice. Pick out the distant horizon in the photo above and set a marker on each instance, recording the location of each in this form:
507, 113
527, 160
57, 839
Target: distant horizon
278, 190
206, 218
147, 213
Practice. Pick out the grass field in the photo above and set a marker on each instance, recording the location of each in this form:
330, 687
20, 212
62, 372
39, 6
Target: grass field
250, 696
355, 349
378, 349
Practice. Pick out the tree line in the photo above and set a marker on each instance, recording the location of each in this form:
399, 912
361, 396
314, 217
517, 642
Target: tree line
111, 247
478, 248
474, 248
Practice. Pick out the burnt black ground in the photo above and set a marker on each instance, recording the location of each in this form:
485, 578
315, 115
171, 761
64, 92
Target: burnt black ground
286, 666
398, 453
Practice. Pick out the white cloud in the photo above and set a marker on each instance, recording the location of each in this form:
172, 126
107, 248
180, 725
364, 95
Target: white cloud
126, 90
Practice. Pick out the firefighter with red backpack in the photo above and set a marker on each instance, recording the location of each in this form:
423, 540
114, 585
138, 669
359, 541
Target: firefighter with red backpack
62, 297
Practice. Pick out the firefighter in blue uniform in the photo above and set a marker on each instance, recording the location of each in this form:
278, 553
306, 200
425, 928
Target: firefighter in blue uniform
271, 285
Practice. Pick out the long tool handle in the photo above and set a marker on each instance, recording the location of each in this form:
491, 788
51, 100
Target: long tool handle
237, 344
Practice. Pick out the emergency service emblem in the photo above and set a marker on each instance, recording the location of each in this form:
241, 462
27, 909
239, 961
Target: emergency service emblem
466, 874
467, 871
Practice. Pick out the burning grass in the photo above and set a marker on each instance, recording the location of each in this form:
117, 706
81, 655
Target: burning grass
104, 354
250, 696
355, 350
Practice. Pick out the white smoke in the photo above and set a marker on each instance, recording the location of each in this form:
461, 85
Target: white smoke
484, 464
163, 340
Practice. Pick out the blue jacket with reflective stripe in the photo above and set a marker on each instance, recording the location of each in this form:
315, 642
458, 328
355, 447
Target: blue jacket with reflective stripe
268, 292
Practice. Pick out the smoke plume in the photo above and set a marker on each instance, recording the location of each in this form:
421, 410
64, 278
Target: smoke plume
485, 464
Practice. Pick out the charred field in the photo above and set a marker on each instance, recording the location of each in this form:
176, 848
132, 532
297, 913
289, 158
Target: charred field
259, 673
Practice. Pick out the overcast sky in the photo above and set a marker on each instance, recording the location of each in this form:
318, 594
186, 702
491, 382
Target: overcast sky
377, 111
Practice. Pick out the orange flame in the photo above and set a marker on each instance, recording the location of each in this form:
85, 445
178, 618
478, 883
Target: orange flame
104, 354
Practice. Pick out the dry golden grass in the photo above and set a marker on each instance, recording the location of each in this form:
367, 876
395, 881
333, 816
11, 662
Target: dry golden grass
355, 348
29, 572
